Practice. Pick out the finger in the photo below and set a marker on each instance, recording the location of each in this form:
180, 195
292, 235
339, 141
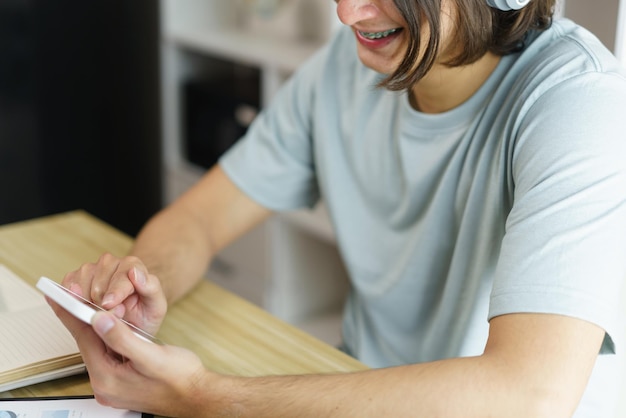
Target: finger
112, 283
79, 281
126, 281
120, 310
148, 287
120, 285
103, 275
120, 338
95, 280
147, 307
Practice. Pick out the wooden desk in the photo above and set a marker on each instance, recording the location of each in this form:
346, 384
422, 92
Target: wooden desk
228, 333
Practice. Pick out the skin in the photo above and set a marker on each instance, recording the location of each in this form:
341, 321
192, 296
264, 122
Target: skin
444, 88
534, 365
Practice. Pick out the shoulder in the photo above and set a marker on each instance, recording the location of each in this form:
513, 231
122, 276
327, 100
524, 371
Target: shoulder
571, 46
563, 57
564, 81
560, 109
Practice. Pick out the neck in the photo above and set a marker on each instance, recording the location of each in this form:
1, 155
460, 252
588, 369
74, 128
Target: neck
445, 88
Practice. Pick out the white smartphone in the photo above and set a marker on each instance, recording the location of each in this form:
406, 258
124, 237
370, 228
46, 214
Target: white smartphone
80, 307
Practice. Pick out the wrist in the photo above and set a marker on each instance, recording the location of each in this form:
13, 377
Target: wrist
212, 394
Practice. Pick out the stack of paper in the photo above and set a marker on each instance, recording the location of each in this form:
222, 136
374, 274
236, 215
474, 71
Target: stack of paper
34, 344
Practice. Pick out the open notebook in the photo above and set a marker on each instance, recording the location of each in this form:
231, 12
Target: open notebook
34, 344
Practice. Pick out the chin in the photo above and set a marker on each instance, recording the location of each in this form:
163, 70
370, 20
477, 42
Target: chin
381, 63
376, 64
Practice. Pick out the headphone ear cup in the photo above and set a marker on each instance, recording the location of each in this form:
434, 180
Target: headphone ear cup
498, 4
517, 4
508, 4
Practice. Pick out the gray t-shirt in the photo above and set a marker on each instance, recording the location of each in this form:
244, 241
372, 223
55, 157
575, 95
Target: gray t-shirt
515, 201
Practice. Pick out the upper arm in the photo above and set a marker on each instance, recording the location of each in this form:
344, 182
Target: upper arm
549, 358
561, 260
562, 252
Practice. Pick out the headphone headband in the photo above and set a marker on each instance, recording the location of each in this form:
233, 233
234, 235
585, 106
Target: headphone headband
508, 4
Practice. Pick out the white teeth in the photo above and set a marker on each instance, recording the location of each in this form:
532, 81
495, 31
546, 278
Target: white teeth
377, 35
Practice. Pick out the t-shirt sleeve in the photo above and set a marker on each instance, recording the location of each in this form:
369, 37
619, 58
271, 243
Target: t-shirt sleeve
274, 162
564, 250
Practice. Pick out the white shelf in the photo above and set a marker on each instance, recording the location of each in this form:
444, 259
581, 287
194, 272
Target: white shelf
246, 47
290, 264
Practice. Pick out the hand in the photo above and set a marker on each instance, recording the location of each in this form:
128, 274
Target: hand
124, 287
130, 373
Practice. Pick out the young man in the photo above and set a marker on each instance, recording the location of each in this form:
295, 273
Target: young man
471, 160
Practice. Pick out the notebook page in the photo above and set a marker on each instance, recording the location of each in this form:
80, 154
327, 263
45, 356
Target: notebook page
29, 330
15, 294
32, 336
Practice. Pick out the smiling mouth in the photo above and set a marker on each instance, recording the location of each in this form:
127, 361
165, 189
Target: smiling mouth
378, 35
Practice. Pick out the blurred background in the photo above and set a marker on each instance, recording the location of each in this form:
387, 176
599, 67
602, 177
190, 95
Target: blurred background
80, 109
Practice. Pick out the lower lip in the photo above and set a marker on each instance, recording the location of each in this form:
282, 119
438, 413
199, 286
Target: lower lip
376, 43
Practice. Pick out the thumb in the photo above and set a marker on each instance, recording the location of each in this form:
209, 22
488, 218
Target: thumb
102, 324
122, 340
148, 287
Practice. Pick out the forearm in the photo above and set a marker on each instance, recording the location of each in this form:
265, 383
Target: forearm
534, 366
178, 243
175, 247
464, 388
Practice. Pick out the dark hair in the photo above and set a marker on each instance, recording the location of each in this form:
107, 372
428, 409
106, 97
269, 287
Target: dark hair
479, 29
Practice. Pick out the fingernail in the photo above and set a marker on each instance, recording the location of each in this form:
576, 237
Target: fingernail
102, 323
107, 299
140, 277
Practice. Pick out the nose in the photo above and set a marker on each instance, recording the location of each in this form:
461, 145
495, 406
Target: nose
353, 11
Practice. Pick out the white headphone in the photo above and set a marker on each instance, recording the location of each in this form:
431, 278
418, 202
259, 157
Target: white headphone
508, 4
